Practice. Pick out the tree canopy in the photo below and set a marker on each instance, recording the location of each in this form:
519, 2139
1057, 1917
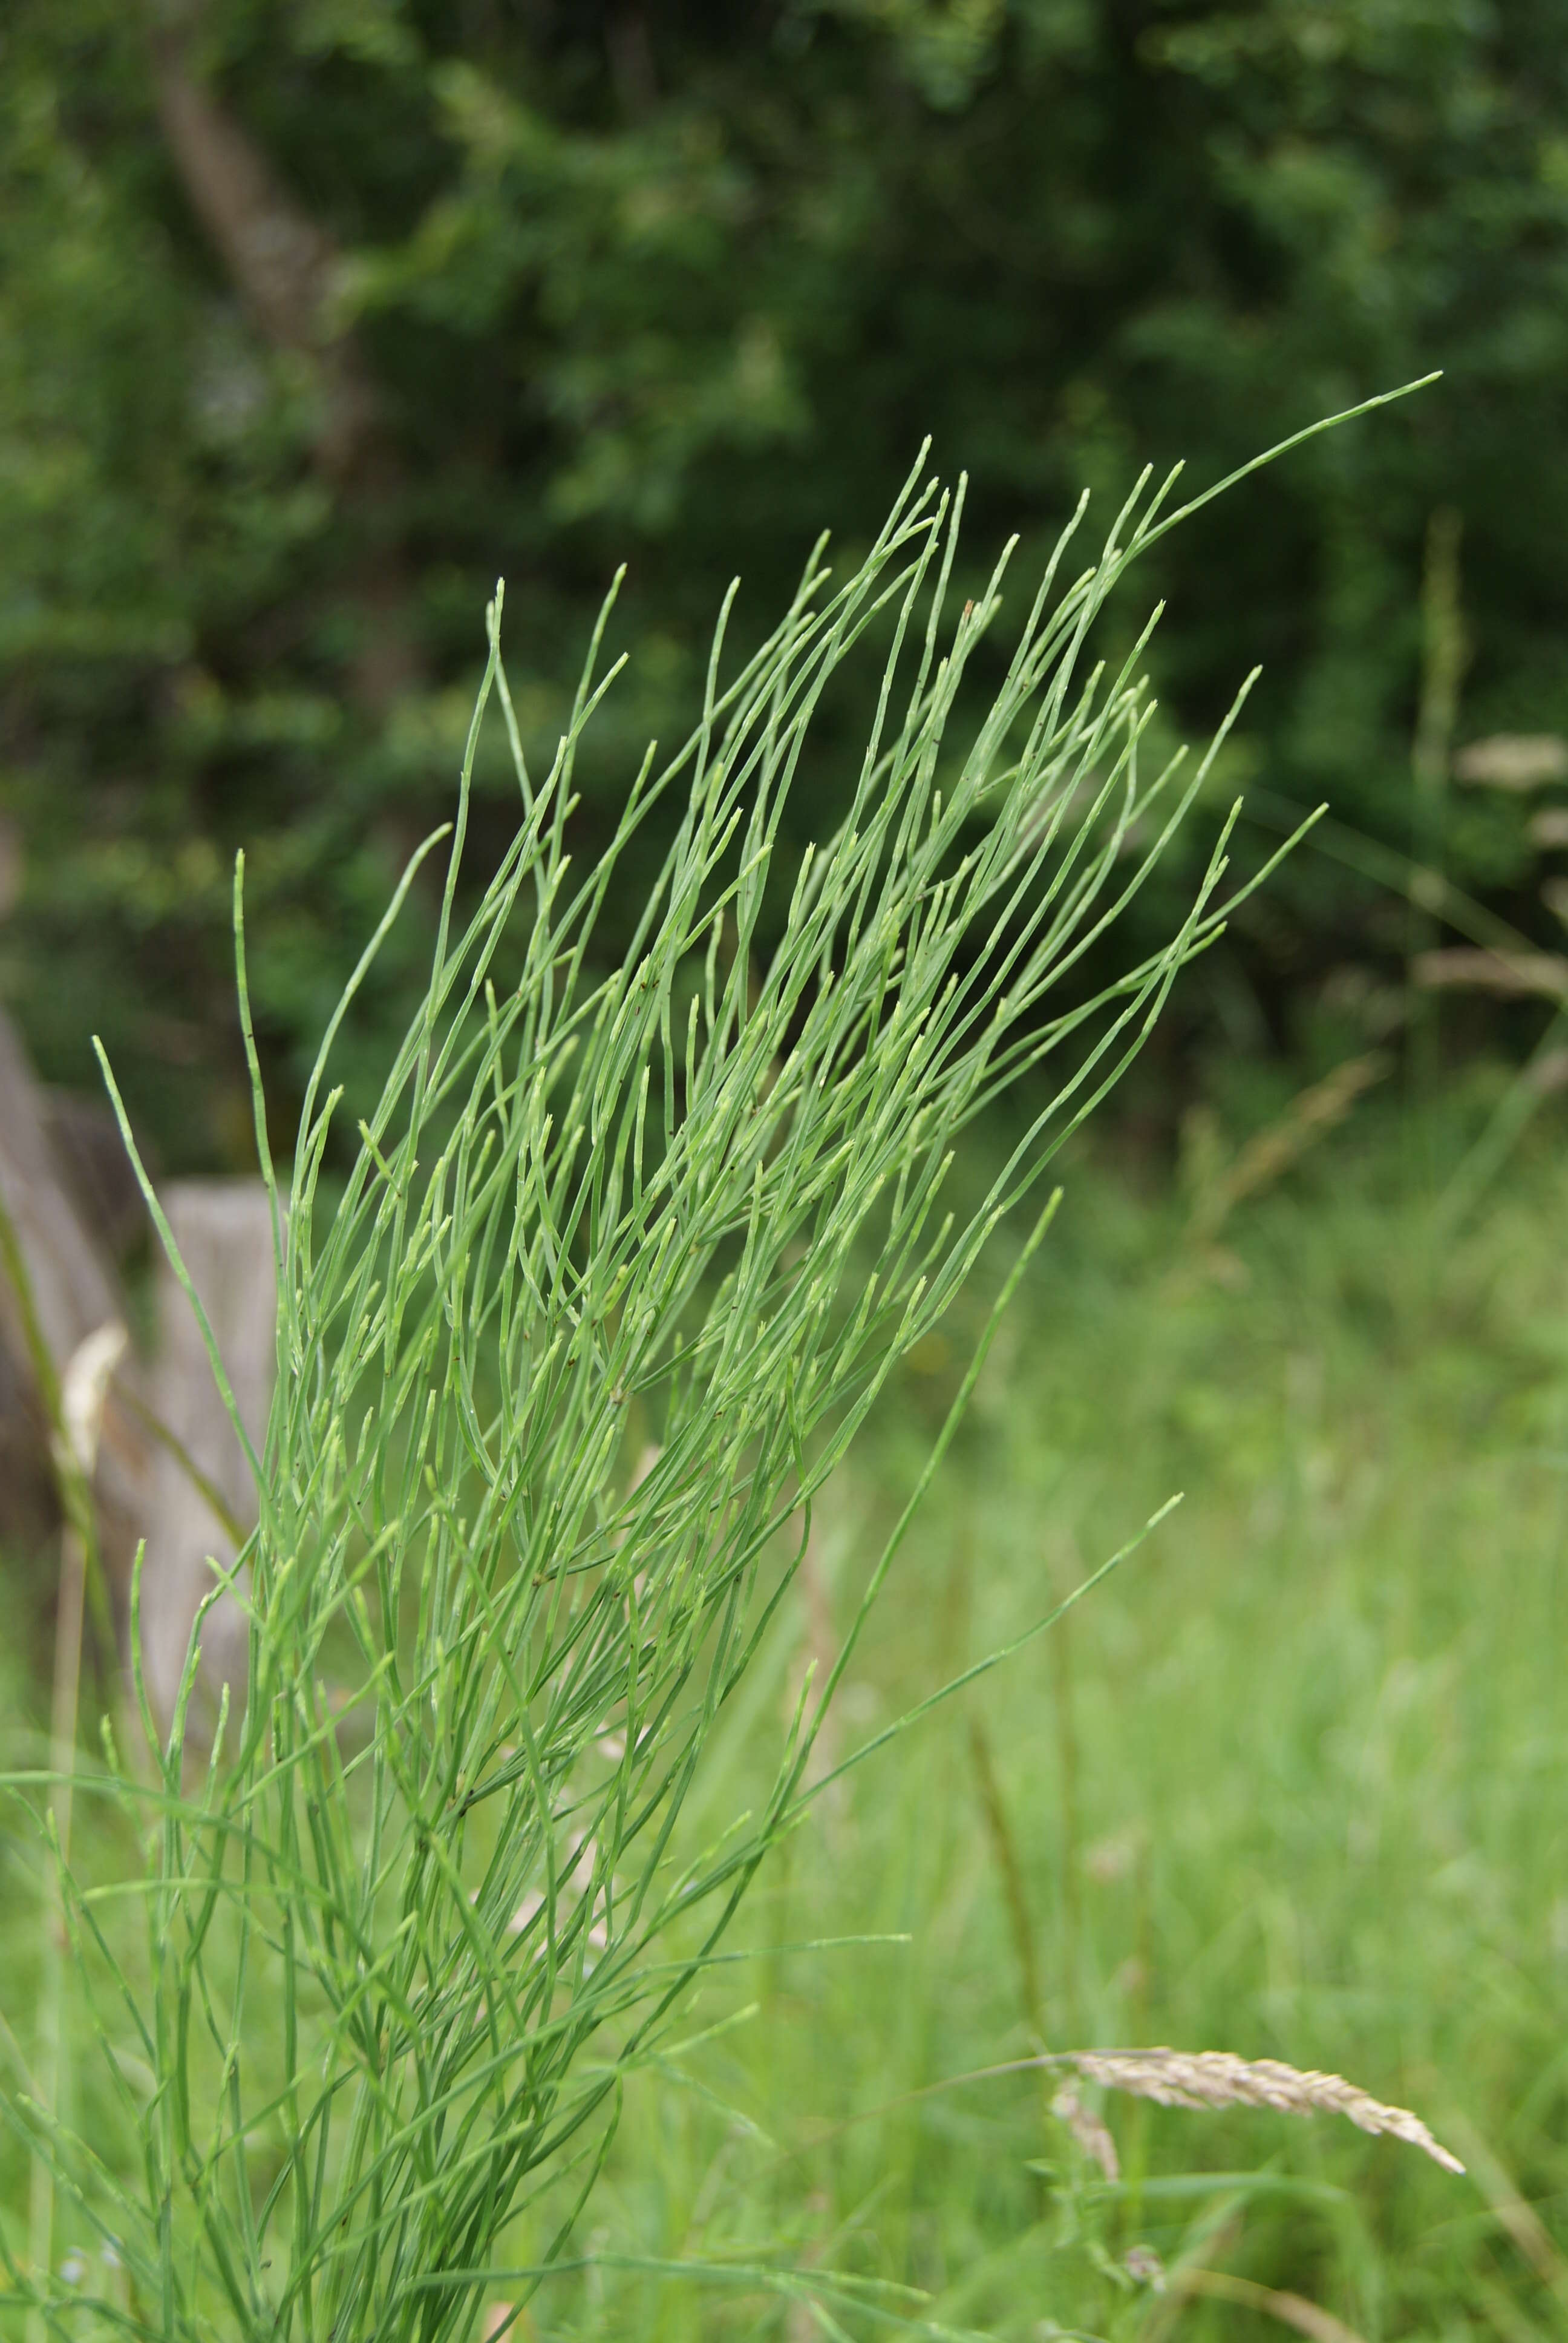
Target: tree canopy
317, 315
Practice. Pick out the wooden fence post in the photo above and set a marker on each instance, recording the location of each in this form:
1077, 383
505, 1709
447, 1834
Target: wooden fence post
223, 1229
74, 1290
142, 1485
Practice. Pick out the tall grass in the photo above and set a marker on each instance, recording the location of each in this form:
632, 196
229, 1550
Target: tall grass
1318, 1745
623, 1259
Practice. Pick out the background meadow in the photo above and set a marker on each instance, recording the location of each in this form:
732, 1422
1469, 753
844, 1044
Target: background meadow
1291, 1781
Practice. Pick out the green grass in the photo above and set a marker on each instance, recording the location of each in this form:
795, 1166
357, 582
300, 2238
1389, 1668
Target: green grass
625, 1257
1294, 1785
365, 1974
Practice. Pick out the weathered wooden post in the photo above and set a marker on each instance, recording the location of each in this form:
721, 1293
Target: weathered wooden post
72, 1290
67, 1289
223, 1229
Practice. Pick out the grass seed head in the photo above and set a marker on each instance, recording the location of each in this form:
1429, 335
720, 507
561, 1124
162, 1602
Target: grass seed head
1219, 2079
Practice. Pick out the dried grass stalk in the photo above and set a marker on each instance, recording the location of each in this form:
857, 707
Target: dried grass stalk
1219, 2079
1307, 2318
1510, 974
1320, 1108
1512, 760
1088, 2130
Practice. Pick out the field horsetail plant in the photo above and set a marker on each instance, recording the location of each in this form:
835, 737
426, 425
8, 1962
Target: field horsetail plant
620, 1264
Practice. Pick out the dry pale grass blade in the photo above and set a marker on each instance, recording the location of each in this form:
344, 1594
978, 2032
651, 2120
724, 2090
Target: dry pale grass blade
1519, 2218
1266, 1158
84, 1388
1291, 2309
504, 2320
1512, 760
1509, 973
1547, 1075
1219, 2079
1088, 2130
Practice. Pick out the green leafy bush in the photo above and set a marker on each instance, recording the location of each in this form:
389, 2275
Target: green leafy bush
676, 284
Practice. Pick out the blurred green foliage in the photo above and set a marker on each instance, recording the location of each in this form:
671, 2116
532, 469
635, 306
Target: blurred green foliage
678, 285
